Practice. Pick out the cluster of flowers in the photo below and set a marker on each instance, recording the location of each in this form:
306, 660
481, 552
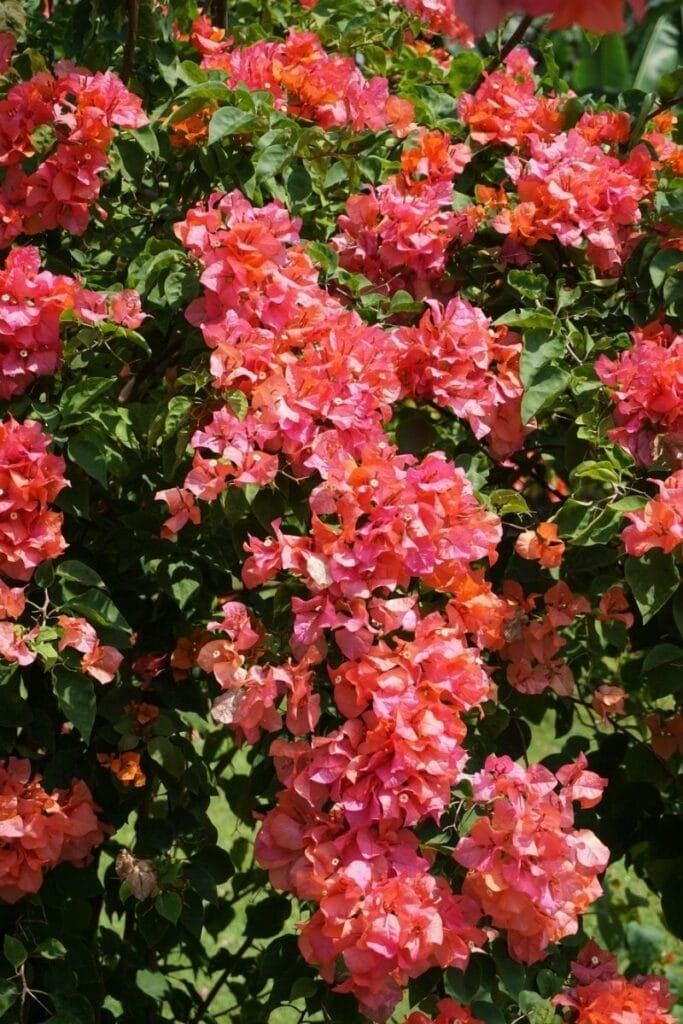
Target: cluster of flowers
30, 478
670, 154
527, 865
67, 121
606, 16
99, 661
600, 993
32, 302
575, 192
304, 80
340, 833
455, 359
319, 385
647, 384
542, 545
439, 18
506, 108
659, 524
570, 185
40, 830
532, 646
449, 1012
399, 234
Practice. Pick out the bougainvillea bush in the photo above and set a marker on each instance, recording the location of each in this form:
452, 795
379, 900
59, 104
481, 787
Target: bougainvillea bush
341, 512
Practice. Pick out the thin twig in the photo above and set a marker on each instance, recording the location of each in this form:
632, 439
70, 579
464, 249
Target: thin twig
514, 39
131, 40
666, 105
218, 984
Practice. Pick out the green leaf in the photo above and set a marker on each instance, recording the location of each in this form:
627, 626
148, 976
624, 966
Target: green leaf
272, 160
661, 263
266, 918
99, 609
537, 1009
677, 609
540, 348
239, 403
298, 183
403, 302
147, 140
51, 949
548, 983
544, 387
464, 70
153, 984
530, 285
15, 951
653, 580
77, 572
78, 399
336, 174
511, 975
324, 255
662, 654
75, 695
9, 994
506, 502
607, 69
165, 753
169, 905
87, 453
229, 121
671, 84
661, 53
487, 1012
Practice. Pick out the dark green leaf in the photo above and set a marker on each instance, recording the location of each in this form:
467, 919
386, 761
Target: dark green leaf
653, 580
75, 693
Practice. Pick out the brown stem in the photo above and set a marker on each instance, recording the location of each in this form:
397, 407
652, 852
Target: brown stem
219, 12
496, 61
666, 105
218, 984
131, 40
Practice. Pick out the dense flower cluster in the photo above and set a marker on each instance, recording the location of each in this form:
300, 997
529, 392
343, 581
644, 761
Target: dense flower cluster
541, 545
572, 186
531, 870
40, 830
606, 16
99, 661
67, 120
30, 478
319, 385
506, 108
531, 645
305, 80
659, 524
646, 382
31, 304
455, 359
571, 190
601, 995
399, 234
